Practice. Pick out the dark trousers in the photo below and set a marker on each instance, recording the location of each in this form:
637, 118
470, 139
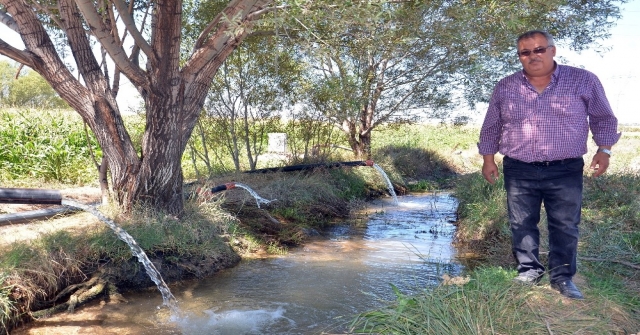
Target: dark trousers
559, 188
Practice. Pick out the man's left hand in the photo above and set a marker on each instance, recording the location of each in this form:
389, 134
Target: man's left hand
600, 163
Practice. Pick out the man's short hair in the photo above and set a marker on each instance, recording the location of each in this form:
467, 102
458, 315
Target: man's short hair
532, 33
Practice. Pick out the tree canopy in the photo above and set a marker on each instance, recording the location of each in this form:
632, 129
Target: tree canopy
173, 85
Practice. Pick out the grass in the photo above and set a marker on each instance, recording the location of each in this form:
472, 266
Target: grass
416, 158
490, 303
7, 305
47, 146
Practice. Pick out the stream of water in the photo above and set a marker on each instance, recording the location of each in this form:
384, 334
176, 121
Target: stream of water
315, 289
167, 297
259, 199
388, 181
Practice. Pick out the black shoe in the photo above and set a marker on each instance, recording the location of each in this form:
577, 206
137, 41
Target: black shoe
567, 289
529, 278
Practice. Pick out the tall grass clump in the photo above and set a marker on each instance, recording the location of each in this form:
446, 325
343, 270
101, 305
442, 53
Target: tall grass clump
482, 226
45, 146
196, 234
489, 303
302, 201
7, 305
610, 233
35, 272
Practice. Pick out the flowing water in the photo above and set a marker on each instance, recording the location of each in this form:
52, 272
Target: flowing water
315, 289
389, 185
168, 299
259, 199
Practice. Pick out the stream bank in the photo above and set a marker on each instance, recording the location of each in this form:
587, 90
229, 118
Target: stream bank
314, 288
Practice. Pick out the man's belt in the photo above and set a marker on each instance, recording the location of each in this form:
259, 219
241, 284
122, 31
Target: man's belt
548, 163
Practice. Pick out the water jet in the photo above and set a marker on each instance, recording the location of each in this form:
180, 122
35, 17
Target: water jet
54, 197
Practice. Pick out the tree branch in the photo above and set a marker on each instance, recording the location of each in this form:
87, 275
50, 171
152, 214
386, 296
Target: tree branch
8, 21
115, 50
79, 43
130, 26
47, 11
395, 107
258, 13
207, 30
215, 48
16, 54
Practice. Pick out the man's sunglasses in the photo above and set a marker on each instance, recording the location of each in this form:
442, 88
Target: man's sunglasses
537, 51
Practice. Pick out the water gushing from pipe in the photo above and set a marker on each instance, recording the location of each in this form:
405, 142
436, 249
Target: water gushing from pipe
168, 299
389, 185
259, 199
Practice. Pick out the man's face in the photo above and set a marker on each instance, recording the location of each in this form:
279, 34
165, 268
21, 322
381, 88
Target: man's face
536, 55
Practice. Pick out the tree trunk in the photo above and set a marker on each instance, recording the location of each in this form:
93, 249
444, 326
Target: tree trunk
366, 126
104, 181
365, 146
159, 179
360, 137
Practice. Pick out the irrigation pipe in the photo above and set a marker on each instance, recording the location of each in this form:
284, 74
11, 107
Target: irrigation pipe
312, 166
228, 186
31, 196
54, 197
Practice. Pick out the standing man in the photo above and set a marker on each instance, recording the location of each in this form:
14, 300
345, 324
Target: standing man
539, 119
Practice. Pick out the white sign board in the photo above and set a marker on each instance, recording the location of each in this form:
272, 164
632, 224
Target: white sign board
277, 142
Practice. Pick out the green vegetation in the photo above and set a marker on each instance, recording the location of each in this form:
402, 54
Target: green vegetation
23, 87
489, 302
45, 147
217, 230
7, 306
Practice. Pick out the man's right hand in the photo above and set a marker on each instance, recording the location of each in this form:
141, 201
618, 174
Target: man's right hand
490, 170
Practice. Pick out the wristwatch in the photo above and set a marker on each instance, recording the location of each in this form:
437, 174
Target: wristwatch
606, 151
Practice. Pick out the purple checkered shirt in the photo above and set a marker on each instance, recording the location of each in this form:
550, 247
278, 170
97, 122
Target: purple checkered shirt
532, 127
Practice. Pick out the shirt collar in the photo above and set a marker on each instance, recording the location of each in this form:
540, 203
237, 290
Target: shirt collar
556, 71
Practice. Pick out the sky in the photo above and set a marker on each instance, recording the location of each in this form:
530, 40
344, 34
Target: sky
617, 68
